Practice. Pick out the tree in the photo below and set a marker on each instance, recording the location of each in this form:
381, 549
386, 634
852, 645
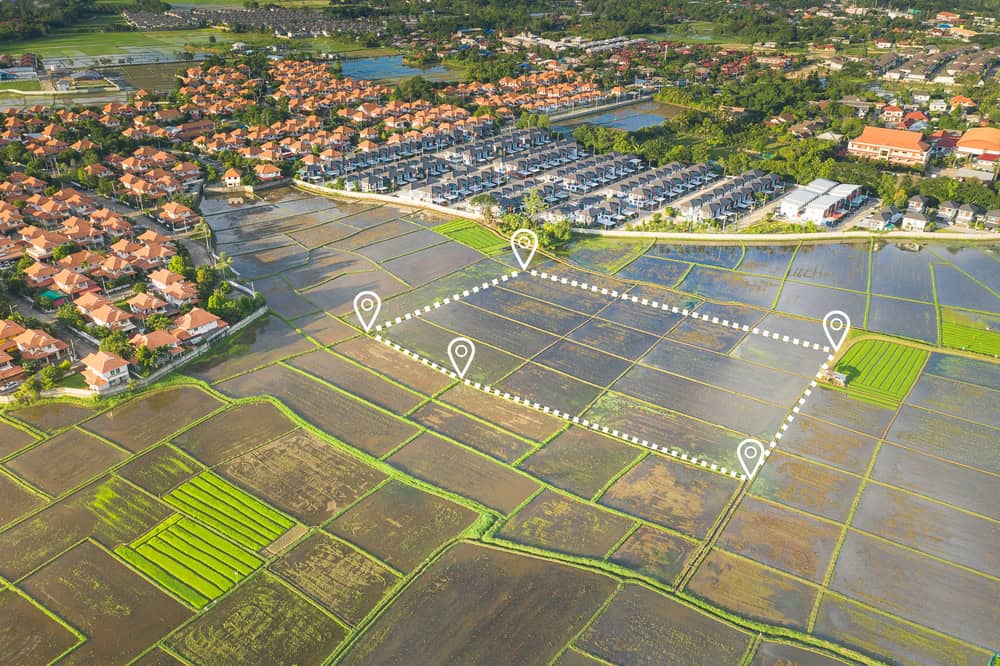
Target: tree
116, 343
48, 376
63, 251
487, 204
223, 262
28, 392
158, 322
69, 316
148, 359
140, 288
177, 265
534, 203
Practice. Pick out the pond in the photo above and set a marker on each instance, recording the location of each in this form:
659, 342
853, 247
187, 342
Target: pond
392, 67
632, 117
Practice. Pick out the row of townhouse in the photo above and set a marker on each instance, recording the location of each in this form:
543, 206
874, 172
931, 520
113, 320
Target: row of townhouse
732, 197
655, 188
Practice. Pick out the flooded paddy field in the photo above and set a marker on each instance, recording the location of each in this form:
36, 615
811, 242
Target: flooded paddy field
393, 512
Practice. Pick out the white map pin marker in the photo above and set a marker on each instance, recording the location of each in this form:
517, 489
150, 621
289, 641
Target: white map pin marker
524, 242
751, 455
836, 323
366, 306
461, 351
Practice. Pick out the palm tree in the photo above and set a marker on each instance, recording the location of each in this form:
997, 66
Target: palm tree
202, 229
223, 262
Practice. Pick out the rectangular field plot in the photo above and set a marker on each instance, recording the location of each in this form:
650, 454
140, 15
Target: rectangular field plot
975, 403
65, 461
881, 372
189, 560
581, 461
29, 635
230, 511
656, 553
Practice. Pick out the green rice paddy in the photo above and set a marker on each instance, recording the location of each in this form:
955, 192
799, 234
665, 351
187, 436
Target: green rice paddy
229, 511
189, 560
881, 372
475, 236
970, 332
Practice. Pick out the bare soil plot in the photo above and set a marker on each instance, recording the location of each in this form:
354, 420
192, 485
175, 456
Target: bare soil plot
337, 295
343, 417
891, 639
947, 437
803, 485
614, 339
303, 475
955, 484
568, 296
825, 442
654, 553
976, 403
65, 461
444, 464
12, 439
49, 417
401, 245
707, 335
264, 341
671, 494
723, 285
324, 328
516, 418
16, 500
658, 271
836, 407
493, 330
472, 433
392, 364
663, 427
484, 270
843, 265
781, 538
376, 234
811, 301
470, 603
930, 527
963, 369
336, 575
642, 627
326, 263
402, 525
558, 523
933, 594
527, 310
580, 460
322, 234
726, 372
27, 634
356, 380
160, 470
730, 410
432, 262
282, 299
576, 658
233, 432
126, 618
749, 589
157, 657
647, 319
766, 259
550, 388
270, 262
780, 654
262, 622
151, 417
370, 217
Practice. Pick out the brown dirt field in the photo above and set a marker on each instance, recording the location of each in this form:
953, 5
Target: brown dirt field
930, 527
933, 594
781, 538
671, 494
574, 658
515, 418
567, 296
959, 486
52, 416
150, 418
16, 500
157, 657
111, 511
337, 295
336, 575
554, 522
482, 605
580, 461
264, 341
343, 417
126, 617
444, 464
642, 627
65, 461
654, 553
322, 234
829, 444
707, 335
392, 364
27, 635
12, 439
324, 328
803, 485
613, 338
838, 408
160, 470
356, 381
753, 591
376, 234
890, 639
262, 622
470, 432
549, 388
303, 476
234, 432
401, 524
779, 654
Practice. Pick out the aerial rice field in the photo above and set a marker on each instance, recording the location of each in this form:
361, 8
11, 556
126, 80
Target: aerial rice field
881, 372
472, 234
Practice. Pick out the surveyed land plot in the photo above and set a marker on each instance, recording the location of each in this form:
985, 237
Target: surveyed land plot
561, 385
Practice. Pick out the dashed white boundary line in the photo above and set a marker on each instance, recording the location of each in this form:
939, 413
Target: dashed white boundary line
631, 439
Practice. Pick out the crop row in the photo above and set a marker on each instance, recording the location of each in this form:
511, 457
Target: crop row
883, 372
959, 336
189, 560
229, 511
471, 234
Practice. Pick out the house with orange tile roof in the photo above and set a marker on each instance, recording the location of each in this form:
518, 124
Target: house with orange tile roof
180, 293
232, 178
113, 318
144, 305
11, 374
104, 371
198, 324
90, 301
37, 345
72, 283
164, 340
267, 172
8, 331
890, 145
177, 217
39, 275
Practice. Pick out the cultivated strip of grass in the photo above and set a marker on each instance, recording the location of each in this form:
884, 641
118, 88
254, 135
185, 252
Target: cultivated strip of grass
228, 510
881, 372
475, 236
